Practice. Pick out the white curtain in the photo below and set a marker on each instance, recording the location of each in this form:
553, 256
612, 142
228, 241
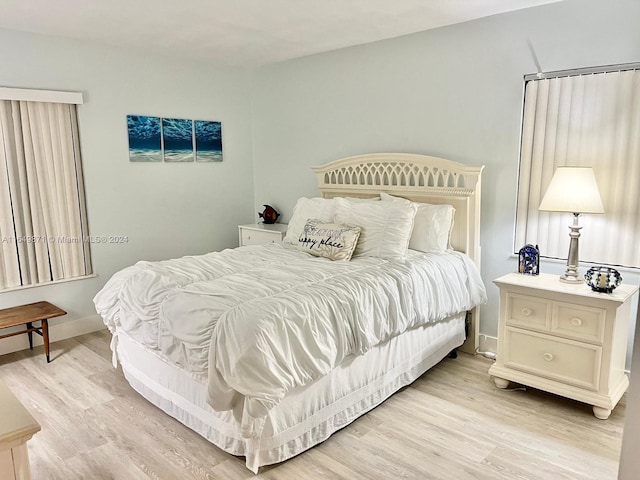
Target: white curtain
42, 193
585, 120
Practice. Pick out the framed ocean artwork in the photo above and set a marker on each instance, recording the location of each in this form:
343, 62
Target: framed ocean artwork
173, 140
145, 143
208, 136
177, 136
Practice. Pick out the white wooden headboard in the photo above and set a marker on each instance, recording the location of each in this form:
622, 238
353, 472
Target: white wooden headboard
420, 178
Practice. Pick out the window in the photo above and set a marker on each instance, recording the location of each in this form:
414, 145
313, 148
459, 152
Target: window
583, 118
43, 221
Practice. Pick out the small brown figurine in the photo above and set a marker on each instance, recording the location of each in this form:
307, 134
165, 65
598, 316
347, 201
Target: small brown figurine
269, 215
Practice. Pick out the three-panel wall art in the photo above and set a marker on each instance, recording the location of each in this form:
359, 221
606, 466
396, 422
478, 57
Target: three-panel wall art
175, 140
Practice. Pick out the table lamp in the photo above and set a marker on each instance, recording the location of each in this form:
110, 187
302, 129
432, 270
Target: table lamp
573, 190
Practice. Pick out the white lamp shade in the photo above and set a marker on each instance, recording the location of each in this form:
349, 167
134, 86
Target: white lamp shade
572, 189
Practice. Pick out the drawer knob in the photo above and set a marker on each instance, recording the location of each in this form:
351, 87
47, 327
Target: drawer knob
548, 356
576, 322
527, 312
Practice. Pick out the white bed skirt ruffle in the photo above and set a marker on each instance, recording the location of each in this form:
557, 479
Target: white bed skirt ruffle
307, 416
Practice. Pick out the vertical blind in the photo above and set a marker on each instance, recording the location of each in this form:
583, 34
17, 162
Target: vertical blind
583, 120
43, 221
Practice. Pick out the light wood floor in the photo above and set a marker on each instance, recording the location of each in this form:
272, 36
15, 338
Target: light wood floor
452, 423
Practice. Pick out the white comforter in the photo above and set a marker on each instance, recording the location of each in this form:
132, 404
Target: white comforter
259, 321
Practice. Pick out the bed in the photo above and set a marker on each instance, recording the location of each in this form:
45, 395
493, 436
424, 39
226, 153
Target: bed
267, 350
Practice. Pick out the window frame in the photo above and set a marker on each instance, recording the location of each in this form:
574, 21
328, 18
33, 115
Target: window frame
72, 175
520, 217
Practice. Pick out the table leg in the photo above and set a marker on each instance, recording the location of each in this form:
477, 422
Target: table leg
45, 337
30, 333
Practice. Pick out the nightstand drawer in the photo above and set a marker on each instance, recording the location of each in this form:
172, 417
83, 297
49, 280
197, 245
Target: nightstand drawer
579, 322
563, 360
529, 312
257, 237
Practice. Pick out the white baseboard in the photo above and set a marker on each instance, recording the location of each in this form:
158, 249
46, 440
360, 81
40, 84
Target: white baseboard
57, 332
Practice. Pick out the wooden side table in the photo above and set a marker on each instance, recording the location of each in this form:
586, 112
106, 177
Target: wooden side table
26, 315
563, 338
17, 426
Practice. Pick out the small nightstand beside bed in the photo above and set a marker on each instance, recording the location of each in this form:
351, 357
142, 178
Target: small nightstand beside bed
261, 233
563, 338
266, 350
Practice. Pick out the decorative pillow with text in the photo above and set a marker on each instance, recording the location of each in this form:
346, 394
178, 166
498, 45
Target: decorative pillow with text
334, 241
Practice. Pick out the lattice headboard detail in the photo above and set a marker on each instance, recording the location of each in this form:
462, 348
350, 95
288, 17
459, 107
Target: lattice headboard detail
419, 178
385, 173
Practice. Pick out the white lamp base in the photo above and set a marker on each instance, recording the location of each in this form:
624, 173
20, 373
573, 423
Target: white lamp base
571, 279
571, 273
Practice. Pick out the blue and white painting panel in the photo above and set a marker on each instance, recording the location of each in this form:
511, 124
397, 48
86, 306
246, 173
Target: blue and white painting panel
145, 144
208, 141
177, 134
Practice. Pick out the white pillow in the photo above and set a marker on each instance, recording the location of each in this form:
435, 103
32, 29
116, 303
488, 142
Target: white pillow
386, 226
318, 208
334, 241
432, 225
322, 209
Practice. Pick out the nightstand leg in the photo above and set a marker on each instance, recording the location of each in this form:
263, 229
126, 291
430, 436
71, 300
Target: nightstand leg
500, 382
601, 413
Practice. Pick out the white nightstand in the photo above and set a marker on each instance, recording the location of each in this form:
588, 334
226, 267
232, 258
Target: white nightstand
261, 233
563, 338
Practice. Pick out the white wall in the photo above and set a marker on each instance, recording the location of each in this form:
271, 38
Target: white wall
454, 92
166, 210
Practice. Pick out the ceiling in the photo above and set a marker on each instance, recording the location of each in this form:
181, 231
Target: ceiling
242, 33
